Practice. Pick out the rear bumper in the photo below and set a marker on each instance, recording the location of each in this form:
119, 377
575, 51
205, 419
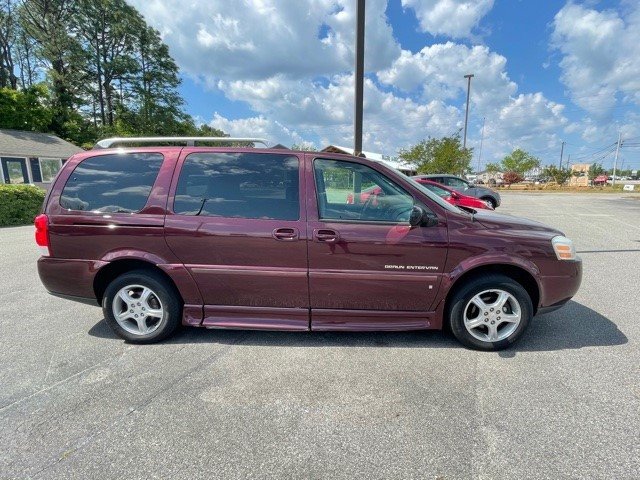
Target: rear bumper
71, 279
559, 289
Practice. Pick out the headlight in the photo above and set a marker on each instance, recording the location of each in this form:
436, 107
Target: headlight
564, 248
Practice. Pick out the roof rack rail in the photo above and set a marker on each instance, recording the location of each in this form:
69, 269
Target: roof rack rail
190, 141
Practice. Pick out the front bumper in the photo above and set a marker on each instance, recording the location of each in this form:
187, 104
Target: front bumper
559, 289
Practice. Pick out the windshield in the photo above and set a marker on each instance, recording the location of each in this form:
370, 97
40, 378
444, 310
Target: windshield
437, 190
434, 197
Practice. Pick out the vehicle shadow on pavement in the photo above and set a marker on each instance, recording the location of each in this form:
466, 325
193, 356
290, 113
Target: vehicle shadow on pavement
572, 327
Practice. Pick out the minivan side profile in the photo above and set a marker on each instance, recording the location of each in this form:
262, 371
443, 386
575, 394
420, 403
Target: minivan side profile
257, 238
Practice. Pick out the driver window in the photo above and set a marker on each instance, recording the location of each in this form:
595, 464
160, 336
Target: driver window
351, 191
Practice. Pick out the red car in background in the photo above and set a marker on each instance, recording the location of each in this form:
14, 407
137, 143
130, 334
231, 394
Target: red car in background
448, 194
452, 196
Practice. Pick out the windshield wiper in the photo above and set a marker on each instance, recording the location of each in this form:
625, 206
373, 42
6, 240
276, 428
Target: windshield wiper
204, 200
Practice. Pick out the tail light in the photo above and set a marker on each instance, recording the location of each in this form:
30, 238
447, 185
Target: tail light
42, 233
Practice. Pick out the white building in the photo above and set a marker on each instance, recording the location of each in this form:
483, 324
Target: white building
32, 157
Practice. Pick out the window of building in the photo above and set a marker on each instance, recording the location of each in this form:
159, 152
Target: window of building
352, 191
239, 185
49, 168
112, 183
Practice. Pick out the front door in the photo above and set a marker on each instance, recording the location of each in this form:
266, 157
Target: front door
15, 170
238, 225
368, 269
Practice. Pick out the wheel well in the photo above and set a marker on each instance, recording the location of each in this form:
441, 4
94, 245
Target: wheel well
518, 274
114, 269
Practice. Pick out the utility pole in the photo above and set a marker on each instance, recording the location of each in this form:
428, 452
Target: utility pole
481, 141
615, 159
466, 115
359, 80
561, 153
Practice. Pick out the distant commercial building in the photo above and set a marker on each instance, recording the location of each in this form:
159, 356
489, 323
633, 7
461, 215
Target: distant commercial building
393, 162
580, 175
489, 178
32, 157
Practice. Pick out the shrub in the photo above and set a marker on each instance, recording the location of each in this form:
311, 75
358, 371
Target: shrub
512, 177
19, 204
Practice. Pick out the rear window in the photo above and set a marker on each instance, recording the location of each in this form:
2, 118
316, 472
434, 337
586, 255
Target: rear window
239, 185
118, 183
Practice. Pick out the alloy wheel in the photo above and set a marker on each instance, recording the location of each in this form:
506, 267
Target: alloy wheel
137, 309
492, 315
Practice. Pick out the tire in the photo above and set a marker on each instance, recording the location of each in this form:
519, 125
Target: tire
153, 308
493, 203
476, 318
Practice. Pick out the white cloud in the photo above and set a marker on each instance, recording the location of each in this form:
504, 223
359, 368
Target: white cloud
256, 39
325, 113
600, 63
291, 62
437, 72
452, 18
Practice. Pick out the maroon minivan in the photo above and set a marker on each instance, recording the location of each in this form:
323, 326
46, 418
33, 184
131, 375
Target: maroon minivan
252, 238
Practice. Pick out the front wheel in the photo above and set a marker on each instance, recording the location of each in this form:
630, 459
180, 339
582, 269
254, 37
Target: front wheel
142, 307
490, 312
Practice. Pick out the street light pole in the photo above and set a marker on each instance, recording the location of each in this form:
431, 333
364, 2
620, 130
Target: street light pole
466, 115
481, 141
359, 78
615, 160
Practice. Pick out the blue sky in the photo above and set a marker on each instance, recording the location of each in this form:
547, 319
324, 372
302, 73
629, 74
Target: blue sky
546, 71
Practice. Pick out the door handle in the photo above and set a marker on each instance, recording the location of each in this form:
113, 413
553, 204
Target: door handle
325, 235
286, 234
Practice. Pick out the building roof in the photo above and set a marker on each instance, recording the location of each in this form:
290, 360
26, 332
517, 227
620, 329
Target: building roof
378, 157
22, 143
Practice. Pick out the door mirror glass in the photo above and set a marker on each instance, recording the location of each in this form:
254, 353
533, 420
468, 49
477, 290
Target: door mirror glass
417, 214
420, 218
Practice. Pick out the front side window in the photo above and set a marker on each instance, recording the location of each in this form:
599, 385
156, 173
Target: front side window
115, 183
351, 191
441, 192
239, 185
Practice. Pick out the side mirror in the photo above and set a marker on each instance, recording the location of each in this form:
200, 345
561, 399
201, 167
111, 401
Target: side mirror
420, 218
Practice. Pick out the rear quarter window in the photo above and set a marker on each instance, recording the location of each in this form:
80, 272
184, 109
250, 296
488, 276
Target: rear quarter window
118, 183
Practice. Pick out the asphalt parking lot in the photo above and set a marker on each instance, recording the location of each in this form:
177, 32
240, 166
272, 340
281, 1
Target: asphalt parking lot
77, 402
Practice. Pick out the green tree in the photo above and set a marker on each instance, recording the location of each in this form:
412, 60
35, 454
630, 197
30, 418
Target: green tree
596, 170
439, 155
559, 175
25, 109
8, 39
519, 161
48, 24
156, 84
492, 167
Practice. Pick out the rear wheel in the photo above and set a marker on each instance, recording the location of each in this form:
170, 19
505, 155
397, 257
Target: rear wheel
490, 312
491, 202
142, 307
